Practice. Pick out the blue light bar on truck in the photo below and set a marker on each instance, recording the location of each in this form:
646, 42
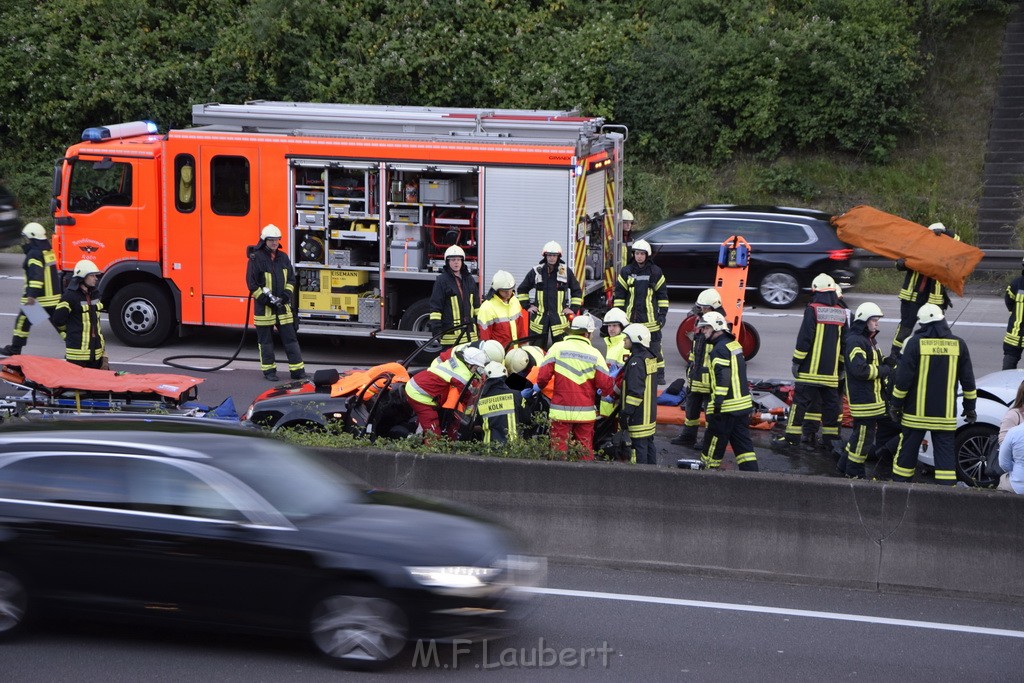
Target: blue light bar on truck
118, 130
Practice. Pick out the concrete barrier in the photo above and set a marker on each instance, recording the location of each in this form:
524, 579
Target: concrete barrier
815, 530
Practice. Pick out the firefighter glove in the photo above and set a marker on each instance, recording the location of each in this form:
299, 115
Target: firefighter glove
434, 326
661, 320
286, 297
971, 415
796, 368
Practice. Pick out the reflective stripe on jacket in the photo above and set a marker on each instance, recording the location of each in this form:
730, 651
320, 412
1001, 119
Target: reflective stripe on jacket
933, 362
819, 341
639, 394
642, 292
503, 322
864, 372
578, 372
728, 375
551, 291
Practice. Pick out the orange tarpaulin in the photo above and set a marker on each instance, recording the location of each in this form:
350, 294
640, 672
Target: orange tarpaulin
58, 375
356, 380
940, 257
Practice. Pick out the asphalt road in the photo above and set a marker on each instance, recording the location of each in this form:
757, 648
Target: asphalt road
627, 625
979, 320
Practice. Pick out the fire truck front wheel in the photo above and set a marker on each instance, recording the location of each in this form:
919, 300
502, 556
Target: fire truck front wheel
141, 315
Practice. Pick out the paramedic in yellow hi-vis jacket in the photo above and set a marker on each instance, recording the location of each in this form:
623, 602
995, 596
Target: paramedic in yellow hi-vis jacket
615, 353
817, 361
730, 405
271, 282
42, 283
638, 408
933, 362
641, 290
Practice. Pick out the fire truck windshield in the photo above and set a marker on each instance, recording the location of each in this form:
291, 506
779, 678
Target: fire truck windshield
99, 184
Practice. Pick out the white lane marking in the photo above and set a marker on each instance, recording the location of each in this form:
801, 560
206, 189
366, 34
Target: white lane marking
835, 616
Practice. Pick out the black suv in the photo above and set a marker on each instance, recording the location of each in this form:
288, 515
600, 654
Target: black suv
10, 221
788, 248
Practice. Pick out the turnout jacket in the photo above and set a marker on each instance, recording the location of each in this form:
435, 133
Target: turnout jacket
642, 292
454, 302
501, 411
728, 374
550, 291
638, 392
819, 341
1014, 300
920, 289
503, 322
865, 372
42, 281
697, 368
275, 272
934, 360
579, 372
431, 386
77, 318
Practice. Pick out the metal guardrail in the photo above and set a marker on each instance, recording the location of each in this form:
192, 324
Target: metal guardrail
995, 259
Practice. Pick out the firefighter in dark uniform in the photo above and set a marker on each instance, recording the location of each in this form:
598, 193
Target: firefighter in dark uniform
817, 362
454, 301
865, 375
551, 293
917, 291
42, 283
638, 411
271, 281
77, 317
728, 413
642, 292
501, 410
1013, 340
698, 386
933, 362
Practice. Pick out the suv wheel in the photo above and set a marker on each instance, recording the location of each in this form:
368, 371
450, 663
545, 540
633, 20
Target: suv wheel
778, 289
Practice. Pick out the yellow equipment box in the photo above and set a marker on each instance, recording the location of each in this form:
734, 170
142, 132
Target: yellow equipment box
332, 291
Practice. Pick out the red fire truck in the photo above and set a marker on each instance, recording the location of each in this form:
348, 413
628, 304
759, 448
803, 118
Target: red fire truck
368, 198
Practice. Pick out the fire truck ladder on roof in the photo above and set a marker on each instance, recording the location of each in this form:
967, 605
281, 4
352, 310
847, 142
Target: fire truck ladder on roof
521, 125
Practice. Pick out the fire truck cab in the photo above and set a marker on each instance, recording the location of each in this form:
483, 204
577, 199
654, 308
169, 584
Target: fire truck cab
368, 199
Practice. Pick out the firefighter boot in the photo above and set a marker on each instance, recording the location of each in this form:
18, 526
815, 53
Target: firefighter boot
687, 437
1009, 362
299, 374
270, 375
785, 441
10, 350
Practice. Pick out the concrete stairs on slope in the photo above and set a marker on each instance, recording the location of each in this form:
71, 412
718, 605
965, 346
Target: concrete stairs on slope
1002, 199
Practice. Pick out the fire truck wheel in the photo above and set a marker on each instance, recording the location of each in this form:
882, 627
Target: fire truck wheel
141, 315
415, 318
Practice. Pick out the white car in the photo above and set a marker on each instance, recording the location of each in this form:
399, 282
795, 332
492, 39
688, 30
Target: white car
977, 445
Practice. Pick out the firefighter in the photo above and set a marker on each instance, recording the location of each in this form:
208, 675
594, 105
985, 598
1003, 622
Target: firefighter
698, 386
641, 291
933, 362
917, 291
627, 225
615, 352
551, 294
579, 372
638, 407
427, 390
501, 410
730, 406
42, 283
501, 317
865, 377
817, 362
1013, 340
77, 318
454, 300
271, 282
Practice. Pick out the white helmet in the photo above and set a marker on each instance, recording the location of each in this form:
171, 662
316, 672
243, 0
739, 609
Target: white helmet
638, 334
474, 357
583, 322
503, 280
83, 268
929, 313
494, 350
516, 360
823, 283
616, 315
34, 231
535, 352
710, 298
493, 370
866, 311
270, 231
714, 320
937, 227
454, 251
627, 215
551, 248
641, 245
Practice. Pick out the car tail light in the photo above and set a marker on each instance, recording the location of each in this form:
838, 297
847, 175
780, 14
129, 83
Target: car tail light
840, 254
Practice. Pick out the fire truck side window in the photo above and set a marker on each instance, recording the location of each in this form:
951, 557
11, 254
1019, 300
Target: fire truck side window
99, 183
185, 183
229, 185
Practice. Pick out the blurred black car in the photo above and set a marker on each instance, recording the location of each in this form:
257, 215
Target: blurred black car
10, 219
193, 523
789, 247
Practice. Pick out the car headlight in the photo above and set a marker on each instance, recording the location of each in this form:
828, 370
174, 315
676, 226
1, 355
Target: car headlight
455, 580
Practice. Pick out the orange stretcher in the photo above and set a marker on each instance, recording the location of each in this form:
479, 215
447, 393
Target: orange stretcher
939, 257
